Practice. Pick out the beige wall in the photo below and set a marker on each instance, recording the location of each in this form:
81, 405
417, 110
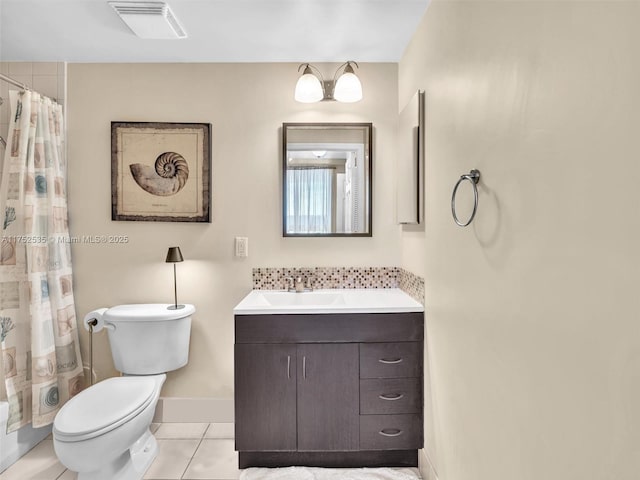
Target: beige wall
246, 104
532, 312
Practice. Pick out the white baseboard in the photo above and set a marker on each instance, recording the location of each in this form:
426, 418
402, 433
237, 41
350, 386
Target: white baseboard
427, 472
194, 410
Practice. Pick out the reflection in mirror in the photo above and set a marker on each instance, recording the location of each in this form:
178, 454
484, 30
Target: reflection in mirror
327, 179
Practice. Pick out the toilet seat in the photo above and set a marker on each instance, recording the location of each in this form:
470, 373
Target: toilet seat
103, 407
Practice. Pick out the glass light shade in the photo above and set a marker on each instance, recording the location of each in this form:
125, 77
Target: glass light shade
348, 87
308, 88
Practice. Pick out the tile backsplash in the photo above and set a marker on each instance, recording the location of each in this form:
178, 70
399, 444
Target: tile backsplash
411, 284
275, 278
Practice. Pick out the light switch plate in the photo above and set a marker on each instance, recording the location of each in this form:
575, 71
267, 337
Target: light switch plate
242, 246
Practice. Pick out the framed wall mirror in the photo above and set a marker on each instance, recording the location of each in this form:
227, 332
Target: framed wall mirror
326, 186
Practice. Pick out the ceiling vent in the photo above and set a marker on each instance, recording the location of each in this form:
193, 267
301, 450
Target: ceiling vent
149, 19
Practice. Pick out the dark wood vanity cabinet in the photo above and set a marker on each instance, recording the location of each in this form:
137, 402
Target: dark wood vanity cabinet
329, 389
297, 397
328, 405
265, 393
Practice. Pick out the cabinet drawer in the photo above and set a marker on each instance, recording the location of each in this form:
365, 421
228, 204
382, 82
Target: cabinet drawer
390, 395
391, 360
390, 432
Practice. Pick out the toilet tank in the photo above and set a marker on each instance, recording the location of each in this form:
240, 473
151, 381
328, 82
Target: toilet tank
148, 339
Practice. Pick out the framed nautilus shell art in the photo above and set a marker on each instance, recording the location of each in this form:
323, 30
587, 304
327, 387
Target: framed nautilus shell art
160, 172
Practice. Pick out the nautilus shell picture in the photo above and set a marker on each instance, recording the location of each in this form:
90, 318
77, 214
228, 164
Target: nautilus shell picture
167, 177
160, 171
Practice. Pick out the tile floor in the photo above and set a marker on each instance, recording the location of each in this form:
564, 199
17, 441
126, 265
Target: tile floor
187, 451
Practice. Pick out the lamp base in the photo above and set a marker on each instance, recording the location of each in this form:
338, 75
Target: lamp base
175, 307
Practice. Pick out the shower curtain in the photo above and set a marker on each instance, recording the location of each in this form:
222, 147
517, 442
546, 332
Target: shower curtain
309, 199
38, 328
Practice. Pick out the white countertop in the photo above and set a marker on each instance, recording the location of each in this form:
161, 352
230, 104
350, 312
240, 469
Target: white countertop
364, 300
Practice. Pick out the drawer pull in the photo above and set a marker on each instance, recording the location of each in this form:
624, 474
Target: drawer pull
390, 432
289, 366
391, 396
390, 360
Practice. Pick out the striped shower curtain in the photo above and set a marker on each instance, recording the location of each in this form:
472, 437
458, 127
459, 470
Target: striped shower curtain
38, 329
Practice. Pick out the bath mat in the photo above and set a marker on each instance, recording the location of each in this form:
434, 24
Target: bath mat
315, 473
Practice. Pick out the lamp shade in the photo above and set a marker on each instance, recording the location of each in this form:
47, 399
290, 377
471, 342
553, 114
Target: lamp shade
308, 88
174, 255
348, 87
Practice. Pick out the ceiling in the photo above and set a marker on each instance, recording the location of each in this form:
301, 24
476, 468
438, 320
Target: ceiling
218, 31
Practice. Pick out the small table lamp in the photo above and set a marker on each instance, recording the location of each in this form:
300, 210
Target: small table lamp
174, 256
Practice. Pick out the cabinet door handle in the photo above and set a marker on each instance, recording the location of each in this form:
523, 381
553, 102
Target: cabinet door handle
304, 367
390, 360
391, 396
289, 366
390, 432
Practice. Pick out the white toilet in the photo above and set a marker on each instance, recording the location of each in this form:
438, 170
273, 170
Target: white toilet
103, 432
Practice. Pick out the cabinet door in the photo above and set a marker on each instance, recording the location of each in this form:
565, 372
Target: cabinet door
265, 397
328, 397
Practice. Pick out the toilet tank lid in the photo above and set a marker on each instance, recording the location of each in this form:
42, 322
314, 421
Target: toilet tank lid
148, 312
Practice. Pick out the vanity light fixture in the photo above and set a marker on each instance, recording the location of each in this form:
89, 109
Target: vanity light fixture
174, 255
344, 87
308, 89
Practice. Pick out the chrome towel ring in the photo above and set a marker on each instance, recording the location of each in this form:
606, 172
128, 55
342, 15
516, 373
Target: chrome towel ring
474, 177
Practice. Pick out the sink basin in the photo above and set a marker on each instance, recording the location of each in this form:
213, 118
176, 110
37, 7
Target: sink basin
374, 300
283, 299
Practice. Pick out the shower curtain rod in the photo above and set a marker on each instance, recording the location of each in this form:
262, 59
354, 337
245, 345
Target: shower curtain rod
13, 82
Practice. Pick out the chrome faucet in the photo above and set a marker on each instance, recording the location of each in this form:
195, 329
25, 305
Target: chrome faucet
308, 285
299, 284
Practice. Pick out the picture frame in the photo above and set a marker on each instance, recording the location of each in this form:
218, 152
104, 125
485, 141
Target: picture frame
160, 171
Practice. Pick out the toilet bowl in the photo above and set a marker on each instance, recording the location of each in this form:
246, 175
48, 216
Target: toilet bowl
116, 443
103, 432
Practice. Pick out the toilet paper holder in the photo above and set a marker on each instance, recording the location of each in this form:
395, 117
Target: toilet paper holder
93, 322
